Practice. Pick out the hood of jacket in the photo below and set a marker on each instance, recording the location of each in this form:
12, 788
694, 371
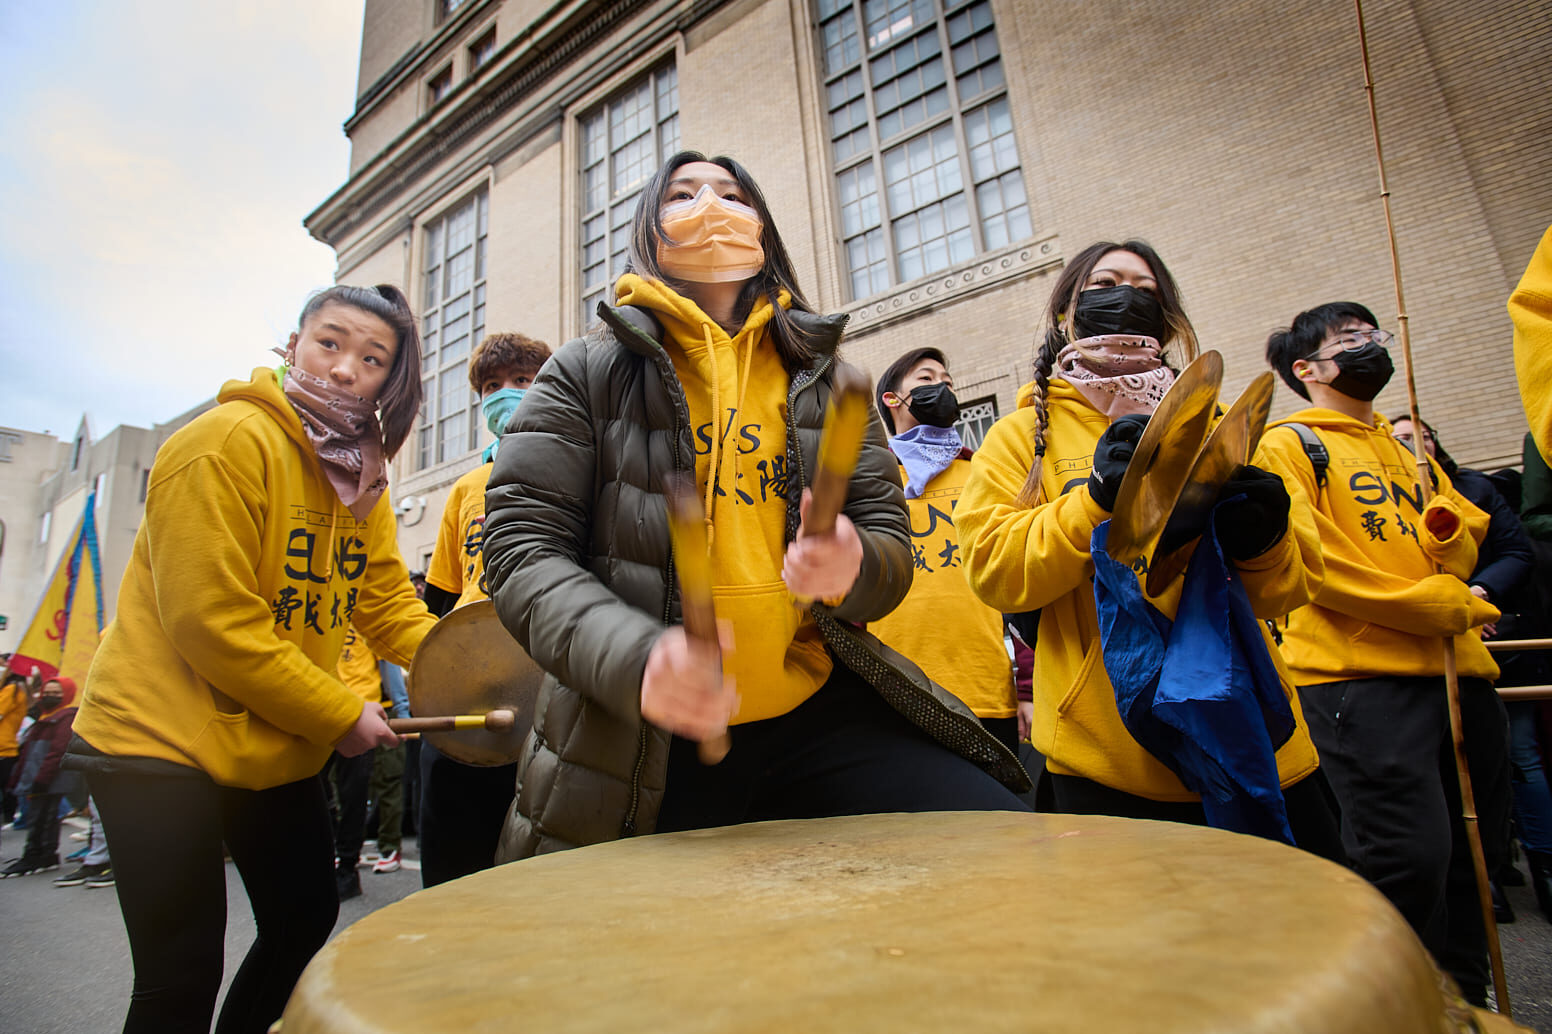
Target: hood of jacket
263, 390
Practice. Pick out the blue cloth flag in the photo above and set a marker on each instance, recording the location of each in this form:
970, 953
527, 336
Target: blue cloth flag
1200, 693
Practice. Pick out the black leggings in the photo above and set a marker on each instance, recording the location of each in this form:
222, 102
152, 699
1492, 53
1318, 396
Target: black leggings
166, 833
1313, 813
843, 751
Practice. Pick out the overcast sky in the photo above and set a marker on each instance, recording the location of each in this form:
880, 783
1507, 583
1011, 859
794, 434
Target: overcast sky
156, 162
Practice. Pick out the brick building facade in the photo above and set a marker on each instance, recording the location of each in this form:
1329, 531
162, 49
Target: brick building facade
931, 163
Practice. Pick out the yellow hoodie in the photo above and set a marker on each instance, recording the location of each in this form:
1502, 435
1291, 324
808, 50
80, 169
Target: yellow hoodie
1025, 558
779, 658
1530, 306
357, 669
245, 576
458, 559
1383, 604
955, 638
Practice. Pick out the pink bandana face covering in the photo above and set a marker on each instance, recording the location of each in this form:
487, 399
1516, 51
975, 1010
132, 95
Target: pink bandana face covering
1119, 374
345, 435
711, 240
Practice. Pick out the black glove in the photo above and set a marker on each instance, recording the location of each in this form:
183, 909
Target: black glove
1254, 522
1111, 456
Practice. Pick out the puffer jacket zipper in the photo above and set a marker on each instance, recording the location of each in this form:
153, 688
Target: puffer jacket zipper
795, 446
681, 424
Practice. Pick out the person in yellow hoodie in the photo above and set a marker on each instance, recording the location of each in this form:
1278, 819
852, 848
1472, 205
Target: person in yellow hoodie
212, 702
1046, 476
463, 807
1367, 652
711, 368
941, 625
1530, 307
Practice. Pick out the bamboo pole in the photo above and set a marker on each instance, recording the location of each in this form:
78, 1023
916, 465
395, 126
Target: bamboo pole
1425, 483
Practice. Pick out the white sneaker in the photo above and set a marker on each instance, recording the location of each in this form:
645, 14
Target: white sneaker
389, 862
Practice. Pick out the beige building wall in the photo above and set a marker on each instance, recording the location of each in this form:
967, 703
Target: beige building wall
43, 491
27, 460
1234, 138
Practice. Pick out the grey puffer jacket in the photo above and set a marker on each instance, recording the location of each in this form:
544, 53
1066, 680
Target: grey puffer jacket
579, 566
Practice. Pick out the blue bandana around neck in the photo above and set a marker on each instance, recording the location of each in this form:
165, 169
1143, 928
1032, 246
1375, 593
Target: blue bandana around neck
925, 452
498, 407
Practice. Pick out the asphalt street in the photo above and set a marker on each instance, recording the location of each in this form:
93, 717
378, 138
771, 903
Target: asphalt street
67, 971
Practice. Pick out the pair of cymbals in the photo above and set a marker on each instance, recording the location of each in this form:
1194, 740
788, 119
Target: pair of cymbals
1181, 464
470, 664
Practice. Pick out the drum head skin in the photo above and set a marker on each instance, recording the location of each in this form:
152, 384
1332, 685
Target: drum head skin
1228, 448
950, 921
469, 664
1163, 459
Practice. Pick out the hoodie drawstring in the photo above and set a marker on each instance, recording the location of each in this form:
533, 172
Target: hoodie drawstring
714, 469
716, 434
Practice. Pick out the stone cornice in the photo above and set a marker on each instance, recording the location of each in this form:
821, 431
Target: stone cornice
524, 66
990, 270
410, 62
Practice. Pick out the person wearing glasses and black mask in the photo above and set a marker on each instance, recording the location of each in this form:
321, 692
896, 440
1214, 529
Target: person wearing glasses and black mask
1366, 652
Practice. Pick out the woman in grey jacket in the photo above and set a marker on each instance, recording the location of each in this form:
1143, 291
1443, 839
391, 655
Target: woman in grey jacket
713, 367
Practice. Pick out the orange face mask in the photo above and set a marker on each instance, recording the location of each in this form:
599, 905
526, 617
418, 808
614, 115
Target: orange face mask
710, 240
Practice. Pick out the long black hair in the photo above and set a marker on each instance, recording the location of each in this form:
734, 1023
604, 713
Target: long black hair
1059, 331
399, 401
792, 342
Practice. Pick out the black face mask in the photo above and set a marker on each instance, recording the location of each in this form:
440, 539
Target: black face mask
1122, 309
934, 404
1363, 372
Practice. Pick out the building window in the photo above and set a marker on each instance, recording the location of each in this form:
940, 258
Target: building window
43, 530
927, 174
976, 417
452, 321
481, 50
445, 9
145, 483
624, 140
439, 86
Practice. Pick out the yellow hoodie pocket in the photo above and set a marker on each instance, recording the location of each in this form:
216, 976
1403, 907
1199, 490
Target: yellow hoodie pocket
1081, 679
778, 658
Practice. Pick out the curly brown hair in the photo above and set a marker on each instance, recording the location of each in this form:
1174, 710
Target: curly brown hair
504, 353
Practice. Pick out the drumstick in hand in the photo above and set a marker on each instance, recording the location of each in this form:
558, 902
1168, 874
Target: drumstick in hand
692, 559
499, 720
840, 444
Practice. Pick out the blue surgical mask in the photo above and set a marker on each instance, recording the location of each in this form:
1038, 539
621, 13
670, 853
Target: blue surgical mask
499, 406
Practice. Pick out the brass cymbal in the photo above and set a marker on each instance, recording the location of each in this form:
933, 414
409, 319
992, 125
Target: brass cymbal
470, 664
1163, 459
1228, 448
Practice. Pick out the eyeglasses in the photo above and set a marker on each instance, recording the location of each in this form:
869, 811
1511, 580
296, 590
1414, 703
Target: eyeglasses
1348, 340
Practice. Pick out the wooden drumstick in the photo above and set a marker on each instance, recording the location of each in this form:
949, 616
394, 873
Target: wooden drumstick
499, 720
840, 444
692, 560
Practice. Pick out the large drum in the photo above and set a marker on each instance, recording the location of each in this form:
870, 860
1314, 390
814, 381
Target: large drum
948, 921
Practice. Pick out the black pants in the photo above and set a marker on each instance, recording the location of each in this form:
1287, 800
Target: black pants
346, 780
1313, 814
7, 798
1386, 746
1005, 729
462, 810
844, 751
166, 833
43, 828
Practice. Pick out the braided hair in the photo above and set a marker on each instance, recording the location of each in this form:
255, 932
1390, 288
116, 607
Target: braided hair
1060, 332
